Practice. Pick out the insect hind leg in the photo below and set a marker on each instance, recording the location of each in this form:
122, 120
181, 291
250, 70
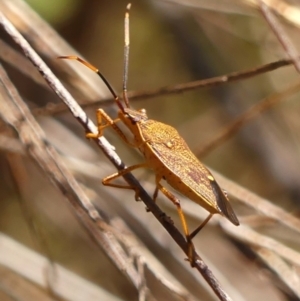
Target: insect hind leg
176, 202
198, 229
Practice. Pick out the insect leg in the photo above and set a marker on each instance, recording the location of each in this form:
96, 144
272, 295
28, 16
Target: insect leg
106, 181
154, 197
104, 121
198, 229
176, 202
155, 194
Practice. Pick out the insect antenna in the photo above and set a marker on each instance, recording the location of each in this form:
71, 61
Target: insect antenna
126, 62
126, 55
96, 70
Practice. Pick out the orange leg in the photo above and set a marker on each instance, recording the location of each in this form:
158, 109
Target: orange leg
176, 202
104, 121
155, 192
106, 181
198, 229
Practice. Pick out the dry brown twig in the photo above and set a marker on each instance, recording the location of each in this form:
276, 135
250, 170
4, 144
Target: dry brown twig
251, 237
280, 33
260, 204
234, 126
175, 89
18, 116
285, 272
289, 12
270, 250
46, 157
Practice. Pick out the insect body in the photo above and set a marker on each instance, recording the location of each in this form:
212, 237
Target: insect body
165, 152
171, 159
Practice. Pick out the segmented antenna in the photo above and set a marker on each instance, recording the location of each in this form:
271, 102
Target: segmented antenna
93, 68
126, 62
126, 55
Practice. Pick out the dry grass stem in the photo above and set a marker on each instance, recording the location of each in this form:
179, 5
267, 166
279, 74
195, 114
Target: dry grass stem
280, 34
285, 272
175, 89
238, 123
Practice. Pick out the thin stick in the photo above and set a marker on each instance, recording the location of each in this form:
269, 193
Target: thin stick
12, 110
251, 237
286, 273
280, 34
259, 204
232, 128
180, 88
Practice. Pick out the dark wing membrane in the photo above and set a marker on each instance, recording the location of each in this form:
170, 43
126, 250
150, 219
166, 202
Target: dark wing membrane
224, 204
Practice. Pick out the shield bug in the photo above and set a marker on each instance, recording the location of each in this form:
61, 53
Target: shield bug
165, 152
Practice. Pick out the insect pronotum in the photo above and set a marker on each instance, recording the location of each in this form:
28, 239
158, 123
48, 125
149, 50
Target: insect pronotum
165, 152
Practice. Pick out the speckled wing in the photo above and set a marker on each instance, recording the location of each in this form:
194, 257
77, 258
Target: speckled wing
174, 153
182, 162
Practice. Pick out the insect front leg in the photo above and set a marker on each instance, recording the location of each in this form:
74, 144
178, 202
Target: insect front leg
104, 121
106, 181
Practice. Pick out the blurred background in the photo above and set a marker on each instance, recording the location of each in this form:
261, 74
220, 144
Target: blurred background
172, 42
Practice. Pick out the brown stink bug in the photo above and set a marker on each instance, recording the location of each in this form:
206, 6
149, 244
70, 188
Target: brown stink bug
165, 152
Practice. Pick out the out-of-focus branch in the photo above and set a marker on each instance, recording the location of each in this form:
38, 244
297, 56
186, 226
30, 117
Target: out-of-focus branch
258, 203
175, 89
279, 32
233, 127
15, 113
252, 237
285, 272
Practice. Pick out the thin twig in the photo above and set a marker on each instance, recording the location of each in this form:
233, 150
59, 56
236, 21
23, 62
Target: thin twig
246, 234
43, 37
18, 173
18, 61
15, 113
175, 89
233, 127
280, 34
258, 203
284, 271
143, 256
80, 115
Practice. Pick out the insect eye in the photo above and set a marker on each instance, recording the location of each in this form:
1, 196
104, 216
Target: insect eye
143, 111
